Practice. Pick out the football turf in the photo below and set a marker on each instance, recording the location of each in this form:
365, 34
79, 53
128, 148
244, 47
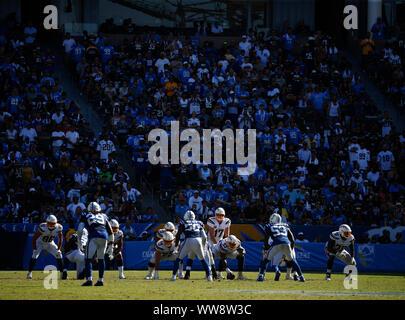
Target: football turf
14, 286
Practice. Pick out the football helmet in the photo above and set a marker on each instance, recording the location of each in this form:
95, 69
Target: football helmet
93, 207
169, 227
232, 241
345, 231
189, 215
275, 218
115, 225
220, 214
51, 222
168, 239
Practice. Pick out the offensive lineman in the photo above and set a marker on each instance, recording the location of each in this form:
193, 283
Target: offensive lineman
114, 249
165, 249
43, 240
194, 243
283, 241
230, 247
336, 247
99, 230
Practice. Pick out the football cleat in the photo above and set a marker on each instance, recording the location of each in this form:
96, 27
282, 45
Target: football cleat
302, 279
260, 277
296, 277
148, 277
277, 277
187, 276
99, 283
220, 277
156, 276
241, 277
230, 276
29, 275
122, 277
289, 277
88, 283
64, 275
327, 277
181, 275
209, 278
173, 278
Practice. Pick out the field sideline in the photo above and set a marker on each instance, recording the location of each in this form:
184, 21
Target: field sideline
14, 286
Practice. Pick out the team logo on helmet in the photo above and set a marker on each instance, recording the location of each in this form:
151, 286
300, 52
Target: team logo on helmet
51, 222
220, 214
93, 207
275, 218
168, 239
189, 215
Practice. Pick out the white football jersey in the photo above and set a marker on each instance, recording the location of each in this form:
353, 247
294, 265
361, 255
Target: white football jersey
160, 246
223, 248
340, 243
47, 235
219, 228
118, 236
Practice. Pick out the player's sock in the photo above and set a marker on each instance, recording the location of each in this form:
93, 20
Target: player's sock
101, 267
296, 267
289, 268
189, 264
60, 264
181, 267
88, 270
66, 263
32, 264
263, 266
121, 270
241, 263
176, 266
328, 271
214, 271
206, 267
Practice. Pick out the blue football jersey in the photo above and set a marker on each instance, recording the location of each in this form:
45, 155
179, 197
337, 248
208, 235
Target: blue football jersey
95, 225
192, 228
278, 233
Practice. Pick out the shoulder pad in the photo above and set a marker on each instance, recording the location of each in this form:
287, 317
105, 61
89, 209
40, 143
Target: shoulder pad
59, 227
120, 232
210, 222
335, 235
351, 238
42, 227
227, 221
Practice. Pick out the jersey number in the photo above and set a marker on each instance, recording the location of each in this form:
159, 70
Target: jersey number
47, 238
279, 231
98, 219
219, 232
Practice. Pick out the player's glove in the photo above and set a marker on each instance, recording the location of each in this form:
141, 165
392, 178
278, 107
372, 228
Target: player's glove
156, 276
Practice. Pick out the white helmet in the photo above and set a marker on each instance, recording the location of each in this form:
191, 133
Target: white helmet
168, 239
169, 227
114, 225
220, 213
51, 221
345, 231
93, 207
275, 218
189, 215
232, 241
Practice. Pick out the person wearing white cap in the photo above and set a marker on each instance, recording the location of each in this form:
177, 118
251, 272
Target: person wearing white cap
245, 45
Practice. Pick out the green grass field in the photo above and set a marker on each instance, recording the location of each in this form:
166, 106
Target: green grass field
14, 286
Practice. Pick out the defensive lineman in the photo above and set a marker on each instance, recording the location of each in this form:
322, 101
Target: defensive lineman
336, 247
194, 243
165, 249
283, 241
230, 247
114, 249
43, 240
99, 230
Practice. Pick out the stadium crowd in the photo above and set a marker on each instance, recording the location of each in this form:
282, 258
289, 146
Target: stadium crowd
325, 154
51, 162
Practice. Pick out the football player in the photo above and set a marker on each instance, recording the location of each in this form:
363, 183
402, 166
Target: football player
336, 247
230, 247
194, 242
282, 241
43, 240
218, 229
114, 249
280, 260
169, 227
165, 249
99, 230
75, 255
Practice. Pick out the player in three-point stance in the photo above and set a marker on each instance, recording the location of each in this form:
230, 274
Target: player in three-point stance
283, 241
43, 240
194, 243
114, 249
99, 230
336, 247
230, 247
75, 255
165, 249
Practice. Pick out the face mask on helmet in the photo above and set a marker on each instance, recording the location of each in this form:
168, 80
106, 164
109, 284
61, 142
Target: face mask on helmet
115, 229
51, 225
168, 243
220, 216
346, 234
